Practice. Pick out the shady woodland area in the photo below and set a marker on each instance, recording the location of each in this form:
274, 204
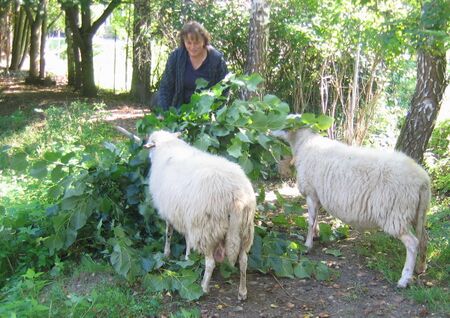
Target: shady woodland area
79, 236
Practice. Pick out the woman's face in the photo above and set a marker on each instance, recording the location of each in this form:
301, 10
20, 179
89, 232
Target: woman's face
194, 45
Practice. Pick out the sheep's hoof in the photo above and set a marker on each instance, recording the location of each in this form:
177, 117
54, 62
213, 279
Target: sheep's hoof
402, 283
242, 296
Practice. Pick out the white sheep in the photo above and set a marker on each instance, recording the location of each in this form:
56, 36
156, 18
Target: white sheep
206, 198
366, 188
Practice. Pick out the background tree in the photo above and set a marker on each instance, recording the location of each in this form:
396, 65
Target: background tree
35, 13
83, 35
21, 36
140, 82
258, 39
431, 79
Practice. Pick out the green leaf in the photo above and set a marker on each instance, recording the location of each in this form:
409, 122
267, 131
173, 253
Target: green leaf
54, 243
71, 236
280, 219
204, 104
304, 269
156, 283
255, 257
121, 259
325, 232
333, 252
264, 141
324, 122
308, 118
242, 135
203, 142
39, 170
246, 164
191, 291
201, 83
253, 81
226, 269
78, 220
322, 272
300, 221
281, 265
235, 150
52, 156
57, 173
259, 121
19, 161
67, 157
75, 191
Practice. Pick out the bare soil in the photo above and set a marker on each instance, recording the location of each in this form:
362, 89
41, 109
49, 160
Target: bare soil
355, 292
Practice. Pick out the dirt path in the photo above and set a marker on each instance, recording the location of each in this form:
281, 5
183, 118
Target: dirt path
356, 292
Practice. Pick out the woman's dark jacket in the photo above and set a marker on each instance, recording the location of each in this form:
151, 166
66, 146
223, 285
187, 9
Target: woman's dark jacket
171, 88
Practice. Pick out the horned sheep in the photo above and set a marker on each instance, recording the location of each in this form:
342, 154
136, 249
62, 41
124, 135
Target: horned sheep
206, 198
366, 188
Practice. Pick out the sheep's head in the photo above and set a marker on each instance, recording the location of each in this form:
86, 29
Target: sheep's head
159, 137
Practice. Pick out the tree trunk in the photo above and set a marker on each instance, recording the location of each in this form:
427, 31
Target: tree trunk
19, 35
88, 87
82, 39
25, 43
43, 42
35, 28
425, 105
431, 81
140, 82
73, 52
258, 39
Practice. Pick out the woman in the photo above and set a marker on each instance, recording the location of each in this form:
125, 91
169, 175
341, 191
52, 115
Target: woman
195, 58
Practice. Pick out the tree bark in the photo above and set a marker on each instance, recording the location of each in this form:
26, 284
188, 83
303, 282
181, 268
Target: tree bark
44, 28
431, 81
258, 40
20, 31
425, 105
35, 28
142, 58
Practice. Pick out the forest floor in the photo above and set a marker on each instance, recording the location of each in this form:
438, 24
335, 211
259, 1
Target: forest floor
356, 291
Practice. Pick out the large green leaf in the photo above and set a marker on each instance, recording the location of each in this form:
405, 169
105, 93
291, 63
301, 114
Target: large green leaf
78, 219
322, 272
157, 283
324, 122
304, 269
282, 265
19, 161
121, 259
253, 81
235, 150
191, 291
205, 103
39, 169
52, 156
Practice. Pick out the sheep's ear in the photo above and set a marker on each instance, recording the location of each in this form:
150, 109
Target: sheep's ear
279, 134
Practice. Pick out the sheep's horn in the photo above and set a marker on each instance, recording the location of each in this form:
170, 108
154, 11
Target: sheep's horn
128, 134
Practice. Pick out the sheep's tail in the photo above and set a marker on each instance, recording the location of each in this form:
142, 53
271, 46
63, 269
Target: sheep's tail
240, 230
421, 233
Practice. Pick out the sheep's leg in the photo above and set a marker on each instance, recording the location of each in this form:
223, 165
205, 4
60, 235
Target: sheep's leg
188, 249
169, 232
243, 277
312, 220
209, 267
411, 243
